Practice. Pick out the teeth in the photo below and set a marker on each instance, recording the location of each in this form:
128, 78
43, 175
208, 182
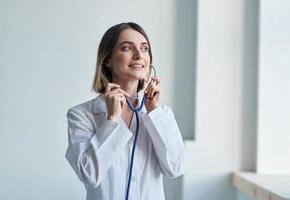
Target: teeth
136, 65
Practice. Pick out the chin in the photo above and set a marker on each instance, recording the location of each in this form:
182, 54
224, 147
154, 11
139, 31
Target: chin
139, 76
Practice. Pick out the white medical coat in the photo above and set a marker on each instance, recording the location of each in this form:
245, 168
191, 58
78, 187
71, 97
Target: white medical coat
99, 151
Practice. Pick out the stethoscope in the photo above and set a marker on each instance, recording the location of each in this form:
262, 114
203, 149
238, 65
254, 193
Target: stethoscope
135, 110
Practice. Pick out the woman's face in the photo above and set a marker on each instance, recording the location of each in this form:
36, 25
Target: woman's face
130, 58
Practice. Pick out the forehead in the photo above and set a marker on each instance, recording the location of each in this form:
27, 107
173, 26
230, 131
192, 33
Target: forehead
131, 35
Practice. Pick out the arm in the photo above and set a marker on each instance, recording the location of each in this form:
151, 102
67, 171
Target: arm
91, 152
167, 141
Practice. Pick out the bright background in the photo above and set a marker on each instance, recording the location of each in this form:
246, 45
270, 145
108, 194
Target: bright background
207, 55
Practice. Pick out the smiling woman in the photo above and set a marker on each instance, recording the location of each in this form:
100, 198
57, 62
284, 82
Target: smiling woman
115, 43
103, 132
130, 58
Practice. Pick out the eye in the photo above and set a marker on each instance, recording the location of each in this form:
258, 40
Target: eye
126, 48
144, 49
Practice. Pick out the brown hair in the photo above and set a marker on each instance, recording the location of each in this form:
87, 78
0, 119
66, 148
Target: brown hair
103, 73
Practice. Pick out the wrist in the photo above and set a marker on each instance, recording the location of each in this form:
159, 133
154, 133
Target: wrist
113, 118
151, 108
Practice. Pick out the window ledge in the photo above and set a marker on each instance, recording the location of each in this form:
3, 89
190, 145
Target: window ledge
262, 187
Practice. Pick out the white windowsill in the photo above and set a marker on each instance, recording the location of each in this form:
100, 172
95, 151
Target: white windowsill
262, 187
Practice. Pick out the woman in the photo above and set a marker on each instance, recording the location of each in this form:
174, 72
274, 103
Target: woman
102, 131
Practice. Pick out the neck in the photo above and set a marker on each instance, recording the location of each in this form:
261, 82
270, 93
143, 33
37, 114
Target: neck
129, 86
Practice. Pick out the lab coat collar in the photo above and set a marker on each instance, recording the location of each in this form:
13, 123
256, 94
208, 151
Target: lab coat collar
99, 105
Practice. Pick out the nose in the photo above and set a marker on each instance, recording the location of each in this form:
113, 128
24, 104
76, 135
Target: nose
137, 54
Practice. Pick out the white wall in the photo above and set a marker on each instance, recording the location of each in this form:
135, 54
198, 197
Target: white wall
48, 53
274, 88
225, 99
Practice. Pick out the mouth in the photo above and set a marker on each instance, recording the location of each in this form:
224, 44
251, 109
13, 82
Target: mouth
137, 66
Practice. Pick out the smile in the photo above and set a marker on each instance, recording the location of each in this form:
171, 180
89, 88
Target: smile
137, 66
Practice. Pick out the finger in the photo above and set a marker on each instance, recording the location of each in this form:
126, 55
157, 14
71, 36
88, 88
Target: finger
120, 100
154, 91
118, 90
148, 87
111, 93
123, 102
116, 95
149, 92
115, 91
155, 80
111, 86
124, 92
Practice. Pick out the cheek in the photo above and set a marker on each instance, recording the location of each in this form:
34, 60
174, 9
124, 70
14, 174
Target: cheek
120, 61
120, 58
147, 59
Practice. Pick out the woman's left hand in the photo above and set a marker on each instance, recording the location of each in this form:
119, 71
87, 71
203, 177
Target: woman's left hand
153, 92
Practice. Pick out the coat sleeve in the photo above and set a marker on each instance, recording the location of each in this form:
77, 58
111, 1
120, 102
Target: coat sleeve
91, 150
167, 141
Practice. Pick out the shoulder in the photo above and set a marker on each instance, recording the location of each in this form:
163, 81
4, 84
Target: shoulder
88, 107
82, 107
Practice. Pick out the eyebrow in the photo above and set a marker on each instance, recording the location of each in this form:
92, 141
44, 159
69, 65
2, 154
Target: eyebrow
125, 42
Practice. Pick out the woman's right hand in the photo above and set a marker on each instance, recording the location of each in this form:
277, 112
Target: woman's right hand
115, 101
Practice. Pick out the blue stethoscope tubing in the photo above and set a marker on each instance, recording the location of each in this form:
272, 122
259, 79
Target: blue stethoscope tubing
135, 110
